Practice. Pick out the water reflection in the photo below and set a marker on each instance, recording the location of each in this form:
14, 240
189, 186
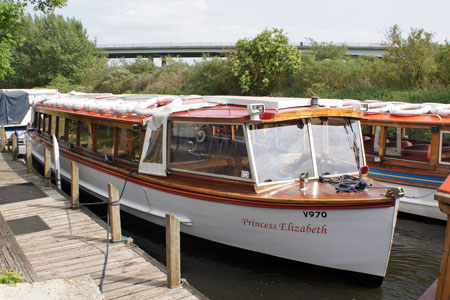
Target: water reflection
225, 273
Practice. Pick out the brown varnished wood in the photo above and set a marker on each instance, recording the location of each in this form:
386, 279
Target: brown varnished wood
434, 148
281, 115
382, 146
317, 194
123, 123
391, 163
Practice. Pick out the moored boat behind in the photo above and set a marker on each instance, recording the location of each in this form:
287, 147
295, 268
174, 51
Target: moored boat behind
278, 176
408, 145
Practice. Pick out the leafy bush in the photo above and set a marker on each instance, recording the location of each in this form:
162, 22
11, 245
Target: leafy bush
212, 77
117, 80
11, 277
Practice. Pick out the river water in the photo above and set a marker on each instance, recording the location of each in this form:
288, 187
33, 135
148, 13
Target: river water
225, 273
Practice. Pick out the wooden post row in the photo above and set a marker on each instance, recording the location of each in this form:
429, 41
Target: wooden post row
114, 212
47, 168
15, 149
173, 251
28, 157
74, 186
2, 136
4, 139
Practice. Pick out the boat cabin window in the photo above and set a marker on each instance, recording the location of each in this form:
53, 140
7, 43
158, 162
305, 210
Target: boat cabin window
72, 131
129, 144
104, 142
337, 145
281, 150
86, 135
408, 143
444, 148
50, 124
61, 125
36, 120
319, 146
154, 153
371, 138
46, 126
216, 149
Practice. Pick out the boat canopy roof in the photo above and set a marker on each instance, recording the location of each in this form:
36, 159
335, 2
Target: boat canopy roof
140, 108
14, 105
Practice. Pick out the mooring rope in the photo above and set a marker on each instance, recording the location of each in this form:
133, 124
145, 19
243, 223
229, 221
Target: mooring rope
109, 203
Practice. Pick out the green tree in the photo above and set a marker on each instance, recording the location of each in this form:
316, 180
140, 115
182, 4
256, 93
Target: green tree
443, 60
10, 35
261, 62
414, 57
54, 47
212, 76
323, 51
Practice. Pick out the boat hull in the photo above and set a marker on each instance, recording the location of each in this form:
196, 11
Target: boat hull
422, 205
356, 239
418, 200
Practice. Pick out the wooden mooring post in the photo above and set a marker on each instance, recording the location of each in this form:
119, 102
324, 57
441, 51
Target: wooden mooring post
47, 168
443, 285
4, 139
173, 262
114, 214
15, 149
29, 157
75, 186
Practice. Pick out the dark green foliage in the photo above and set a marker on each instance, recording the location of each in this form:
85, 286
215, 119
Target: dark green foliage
439, 95
260, 63
212, 77
53, 47
116, 80
10, 36
11, 12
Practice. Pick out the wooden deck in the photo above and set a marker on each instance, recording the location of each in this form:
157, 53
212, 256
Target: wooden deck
75, 245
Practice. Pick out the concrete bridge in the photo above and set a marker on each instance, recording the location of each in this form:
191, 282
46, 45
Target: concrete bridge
191, 50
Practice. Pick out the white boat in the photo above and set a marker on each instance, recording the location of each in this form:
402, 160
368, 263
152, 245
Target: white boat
233, 170
408, 145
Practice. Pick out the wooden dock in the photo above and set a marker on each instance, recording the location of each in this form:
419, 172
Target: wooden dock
71, 243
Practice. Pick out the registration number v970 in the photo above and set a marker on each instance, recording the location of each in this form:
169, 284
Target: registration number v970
314, 214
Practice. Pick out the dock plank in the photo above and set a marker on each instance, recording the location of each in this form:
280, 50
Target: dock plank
75, 245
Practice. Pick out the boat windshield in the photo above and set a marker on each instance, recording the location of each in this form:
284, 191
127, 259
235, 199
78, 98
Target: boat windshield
319, 146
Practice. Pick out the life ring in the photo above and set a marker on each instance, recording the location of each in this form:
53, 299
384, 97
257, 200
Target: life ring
410, 109
151, 106
442, 110
107, 105
125, 107
378, 107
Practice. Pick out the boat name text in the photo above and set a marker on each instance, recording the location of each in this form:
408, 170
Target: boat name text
286, 226
316, 214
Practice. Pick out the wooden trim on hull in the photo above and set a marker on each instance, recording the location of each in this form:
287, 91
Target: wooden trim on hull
283, 199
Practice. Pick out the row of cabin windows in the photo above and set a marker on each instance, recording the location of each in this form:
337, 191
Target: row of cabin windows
95, 137
406, 143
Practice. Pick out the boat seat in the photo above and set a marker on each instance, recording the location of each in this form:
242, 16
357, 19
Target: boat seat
369, 144
417, 152
403, 144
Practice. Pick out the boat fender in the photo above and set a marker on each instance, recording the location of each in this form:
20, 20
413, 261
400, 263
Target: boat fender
164, 103
410, 109
441, 110
200, 136
125, 107
379, 107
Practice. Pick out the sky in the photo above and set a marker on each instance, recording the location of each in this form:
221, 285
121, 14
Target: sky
213, 21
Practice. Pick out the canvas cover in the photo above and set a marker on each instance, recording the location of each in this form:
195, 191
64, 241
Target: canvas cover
14, 105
